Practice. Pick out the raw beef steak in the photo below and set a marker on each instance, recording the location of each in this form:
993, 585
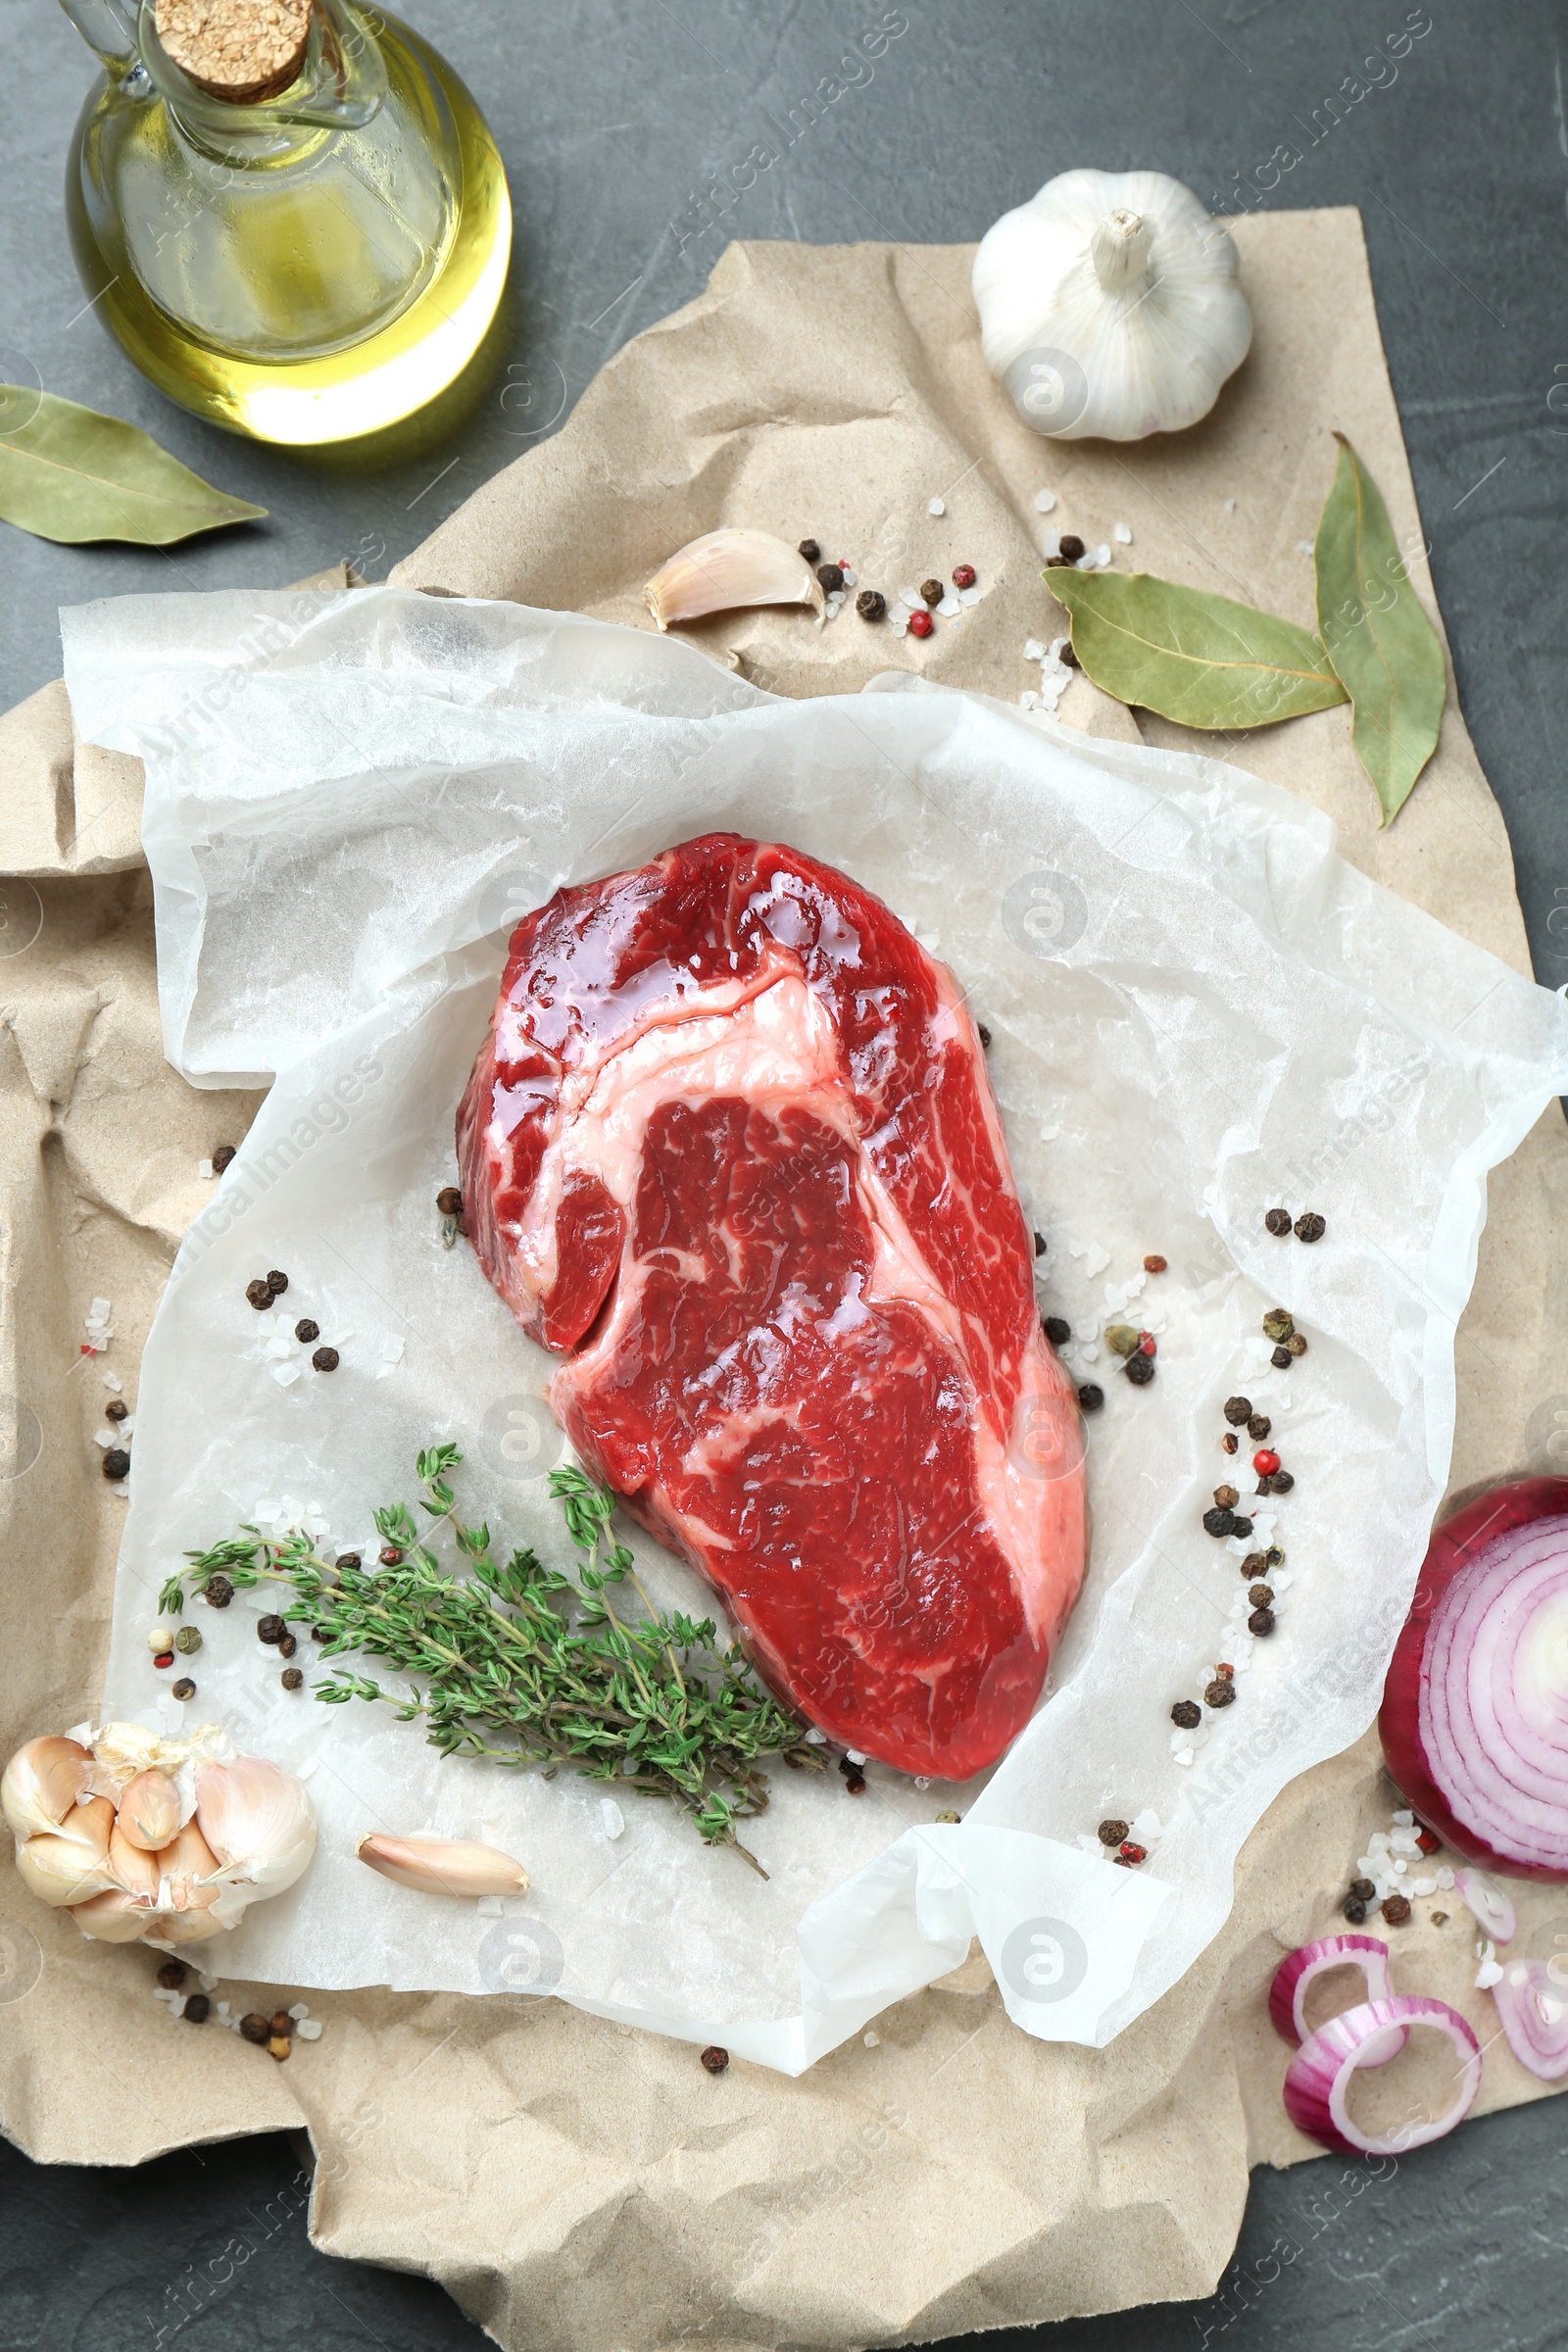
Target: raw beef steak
730, 1145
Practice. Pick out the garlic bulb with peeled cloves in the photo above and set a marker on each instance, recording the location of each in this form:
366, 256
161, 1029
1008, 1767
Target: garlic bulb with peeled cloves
1110, 307
139, 1835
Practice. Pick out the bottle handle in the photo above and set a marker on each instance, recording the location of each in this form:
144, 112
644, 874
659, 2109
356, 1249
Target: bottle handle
109, 30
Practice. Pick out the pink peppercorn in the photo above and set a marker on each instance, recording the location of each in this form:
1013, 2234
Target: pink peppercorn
963, 575
1146, 1342
921, 625
1265, 1462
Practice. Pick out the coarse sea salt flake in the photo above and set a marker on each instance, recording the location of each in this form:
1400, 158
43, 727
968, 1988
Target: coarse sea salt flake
950, 606
285, 1375
1045, 499
106, 1438
968, 596
99, 1310
113, 1382
204, 1167
1033, 650
611, 1820
1122, 534
934, 506
308, 2028
1097, 1260
1423, 1886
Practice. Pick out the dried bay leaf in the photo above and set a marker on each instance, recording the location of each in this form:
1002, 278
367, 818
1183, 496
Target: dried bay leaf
1379, 639
1198, 658
69, 473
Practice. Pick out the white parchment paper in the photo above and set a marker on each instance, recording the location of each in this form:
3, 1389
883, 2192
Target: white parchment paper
1197, 1010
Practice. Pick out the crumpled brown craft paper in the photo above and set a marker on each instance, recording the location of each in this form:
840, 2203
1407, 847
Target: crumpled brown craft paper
576, 2183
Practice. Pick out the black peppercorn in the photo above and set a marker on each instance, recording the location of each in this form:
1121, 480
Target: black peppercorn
1363, 1890
1281, 1482
1295, 1344
1219, 1523
449, 1201
1354, 1909
291, 1678
871, 605
276, 1283
809, 549
1265, 1483
933, 591
1258, 1427
305, 1331
1091, 1396
271, 1629
318, 1633
1310, 1228
1260, 1596
984, 1035
326, 1360
1395, 1910
1056, 1331
1040, 1244
171, 1975
222, 1159
117, 1409
1220, 1692
715, 2060
1226, 1498
1072, 547
1140, 1370
1237, 1409
218, 1592
1111, 1833
1067, 657
1242, 1527
1187, 1714
830, 577
197, 2008
1278, 1221
1256, 1563
348, 1559
1260, 1622
1282, 1359
183, 1689
855, 1784
116, 1462
259, 1295
254, 2026
286, 1646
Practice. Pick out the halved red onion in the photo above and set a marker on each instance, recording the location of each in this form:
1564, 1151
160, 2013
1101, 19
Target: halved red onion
1489, 1904
1475, 1708
1317, 2081
1532, 2006
1287, 1995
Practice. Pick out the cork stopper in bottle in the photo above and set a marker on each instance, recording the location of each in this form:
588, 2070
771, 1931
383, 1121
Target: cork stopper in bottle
241, 50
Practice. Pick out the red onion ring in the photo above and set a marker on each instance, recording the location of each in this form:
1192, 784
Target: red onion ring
1318, 2078
1475, 1708
1488, 1905
1532, 2007
1287, 1995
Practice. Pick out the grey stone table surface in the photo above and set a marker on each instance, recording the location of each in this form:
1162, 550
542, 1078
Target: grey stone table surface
620, 123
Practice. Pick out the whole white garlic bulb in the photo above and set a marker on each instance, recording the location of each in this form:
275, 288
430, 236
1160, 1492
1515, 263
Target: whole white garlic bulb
1109, 306
138, 1835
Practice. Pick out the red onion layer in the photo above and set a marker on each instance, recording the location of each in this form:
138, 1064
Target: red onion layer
1318, 2079
1287, 1995
1532, 2007
1475, 1709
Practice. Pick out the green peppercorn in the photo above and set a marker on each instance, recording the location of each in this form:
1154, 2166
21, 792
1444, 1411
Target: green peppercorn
1277, 1324
187, 1640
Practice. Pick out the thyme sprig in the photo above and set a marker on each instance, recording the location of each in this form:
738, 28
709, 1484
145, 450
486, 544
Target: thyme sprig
526, 1665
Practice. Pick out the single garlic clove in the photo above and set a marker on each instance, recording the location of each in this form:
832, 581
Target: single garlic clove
444, 1865
258, 1821
149, 1810
728, 568
182, 1926
60, 1871
41, 1783
191, 1869
114, 1917
131, 1866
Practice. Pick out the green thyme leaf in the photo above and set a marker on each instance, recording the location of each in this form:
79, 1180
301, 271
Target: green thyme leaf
1200, 659
1379, 640
527, 1666
69, 473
